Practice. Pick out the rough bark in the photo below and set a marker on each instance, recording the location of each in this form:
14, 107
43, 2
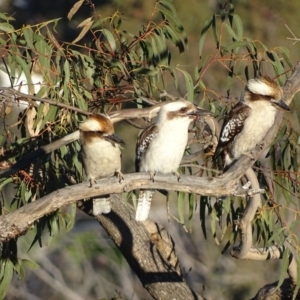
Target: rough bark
17, 223
147, 252
273, 292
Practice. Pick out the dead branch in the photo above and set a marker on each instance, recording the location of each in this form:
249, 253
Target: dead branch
18, 222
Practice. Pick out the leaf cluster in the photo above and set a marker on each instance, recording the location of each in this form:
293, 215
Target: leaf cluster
120, 69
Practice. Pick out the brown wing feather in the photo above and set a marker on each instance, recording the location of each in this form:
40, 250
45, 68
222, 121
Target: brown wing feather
143, 143
233, 125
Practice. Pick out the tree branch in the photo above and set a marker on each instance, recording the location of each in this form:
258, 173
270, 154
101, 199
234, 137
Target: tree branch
148, 258
11, 93
116, 116
17, 223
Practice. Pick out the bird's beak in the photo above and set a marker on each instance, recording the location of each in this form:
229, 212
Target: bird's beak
281, 104
113, 138
199, 112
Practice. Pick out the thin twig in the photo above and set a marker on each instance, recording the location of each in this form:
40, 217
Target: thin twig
10, 92
294, 37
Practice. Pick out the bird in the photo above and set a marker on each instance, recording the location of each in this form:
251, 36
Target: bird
101, 155
249, 120
160, 147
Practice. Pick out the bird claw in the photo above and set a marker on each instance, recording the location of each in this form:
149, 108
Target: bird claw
92, 180
119, 175
152, 174
261, 145
177, 174
250, 155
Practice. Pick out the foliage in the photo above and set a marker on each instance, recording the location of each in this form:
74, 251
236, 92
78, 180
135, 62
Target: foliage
120, 69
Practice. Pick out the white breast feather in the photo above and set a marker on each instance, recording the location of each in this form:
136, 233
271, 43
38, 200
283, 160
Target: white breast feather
167, 148
256, 126
101, 158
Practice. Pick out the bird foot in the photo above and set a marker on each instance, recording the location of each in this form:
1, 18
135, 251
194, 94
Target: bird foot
92, 181
177, 174
119, 175
250, 155
261, 145
152, 174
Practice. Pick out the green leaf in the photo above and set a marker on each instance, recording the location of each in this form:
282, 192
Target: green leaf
42, 91
5, 181
237, 25
6, 276
203, 34
169, 5
26, 69
6, 27
28, 34
235, 45
110, 39
201, 85
66, 75
173, 73
277, 64
181, 199
163, 52
5, 17
280, 135
170, 34
77, 164
203, 62
231, 31
284, 267
172, 20
39, 115
50, 116
44, 58
30, 264
213, 222
20, 270
189, 85
286, 55
145, 71
215, 34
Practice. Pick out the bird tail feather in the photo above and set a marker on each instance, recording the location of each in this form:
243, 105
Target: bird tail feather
101, 206
143, 205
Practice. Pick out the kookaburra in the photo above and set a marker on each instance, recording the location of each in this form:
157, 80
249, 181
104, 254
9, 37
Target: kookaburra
160, 147
101, 155
250, 119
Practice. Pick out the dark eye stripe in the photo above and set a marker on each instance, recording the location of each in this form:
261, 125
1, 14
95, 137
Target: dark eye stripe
183, 109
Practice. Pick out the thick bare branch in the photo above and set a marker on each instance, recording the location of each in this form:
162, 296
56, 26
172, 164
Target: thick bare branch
158, 274
18, 222
245, 227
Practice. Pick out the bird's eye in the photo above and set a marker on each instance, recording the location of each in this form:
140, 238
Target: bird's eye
183, 109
